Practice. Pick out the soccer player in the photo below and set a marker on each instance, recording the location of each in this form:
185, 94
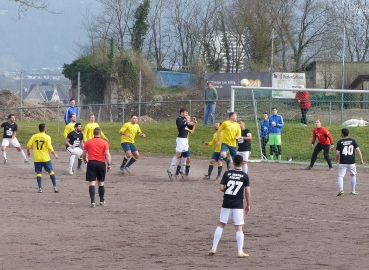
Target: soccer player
275, 141
41, 144
98, 153
71, 110
231, 133
70, 126
129, 131
88, 132
10, 131
216, 155
184, 165
264, 131
244, 145
74, 145
325, 141
182, 138
345, 156
235, 183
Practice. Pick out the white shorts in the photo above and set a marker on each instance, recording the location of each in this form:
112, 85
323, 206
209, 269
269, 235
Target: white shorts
227, 214
181, 145
351, 168
77, 150
245, 155
14, 142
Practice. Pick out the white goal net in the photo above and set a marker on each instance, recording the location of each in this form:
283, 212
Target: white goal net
332, 106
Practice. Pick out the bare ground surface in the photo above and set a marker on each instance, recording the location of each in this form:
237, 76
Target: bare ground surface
150, 222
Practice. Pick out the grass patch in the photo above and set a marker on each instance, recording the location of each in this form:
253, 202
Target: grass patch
296, 140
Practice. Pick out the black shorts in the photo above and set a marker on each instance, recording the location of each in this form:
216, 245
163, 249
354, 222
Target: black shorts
96, 170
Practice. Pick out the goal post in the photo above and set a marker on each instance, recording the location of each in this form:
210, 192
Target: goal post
332, 106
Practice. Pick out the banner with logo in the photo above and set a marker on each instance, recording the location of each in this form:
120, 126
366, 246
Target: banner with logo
287, 80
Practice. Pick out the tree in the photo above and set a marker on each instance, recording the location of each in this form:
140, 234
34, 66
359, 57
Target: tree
25, 5
140, 26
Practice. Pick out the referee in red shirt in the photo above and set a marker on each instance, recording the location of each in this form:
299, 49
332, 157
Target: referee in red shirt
98, 154
325, 142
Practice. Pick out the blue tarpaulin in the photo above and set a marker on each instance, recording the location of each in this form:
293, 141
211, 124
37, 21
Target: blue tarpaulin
175, 79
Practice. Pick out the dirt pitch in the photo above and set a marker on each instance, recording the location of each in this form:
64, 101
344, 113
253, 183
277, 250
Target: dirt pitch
150, 222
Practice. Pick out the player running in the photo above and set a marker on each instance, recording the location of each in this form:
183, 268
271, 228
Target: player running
74, 145
41, 143
10, 131
236, 185
129, 131
216, 155
345, 156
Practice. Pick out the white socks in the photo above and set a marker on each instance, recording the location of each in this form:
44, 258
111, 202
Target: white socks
71, 160
340, 183
217, 236
4, 154
23, 155
240, 237
173, 164
353, 182
245, 168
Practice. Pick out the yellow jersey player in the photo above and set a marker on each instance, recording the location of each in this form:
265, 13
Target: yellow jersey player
70, 127
88, 132
129, 131
216, 155
41, 144
231, 133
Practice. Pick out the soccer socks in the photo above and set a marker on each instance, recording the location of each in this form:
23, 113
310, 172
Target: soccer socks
340, 183
244, 168
279, 157
79, 162
353, 183
173, 164
131, 161
279, 151
125, 159
178, 168
220, 167
53, 179
240, 237
210, 170
101, 193
71, 160
39, 180
23, 155
183, 163
188, 166
217, 235
271, 157
91, 190
4, 154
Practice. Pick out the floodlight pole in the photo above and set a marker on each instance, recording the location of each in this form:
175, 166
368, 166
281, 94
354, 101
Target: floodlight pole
272, 56
343, 57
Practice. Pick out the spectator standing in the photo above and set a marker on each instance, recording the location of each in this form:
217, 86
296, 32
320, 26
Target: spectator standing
264, 131
71, 110
303, 98
210, 97
275, 140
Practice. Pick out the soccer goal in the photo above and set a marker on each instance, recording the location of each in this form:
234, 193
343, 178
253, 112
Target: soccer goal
334, 107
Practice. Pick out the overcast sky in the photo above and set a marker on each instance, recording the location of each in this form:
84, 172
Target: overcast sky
42, 39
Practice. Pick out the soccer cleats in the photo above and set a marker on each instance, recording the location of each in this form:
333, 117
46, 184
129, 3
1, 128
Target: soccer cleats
212, 252
308, 168
170, 175
242, 255
40, 190
56, 190
354, 193
206, 177
70, 171
340, 193
5, 161
93, 205
26, 161
330, 169
102, 203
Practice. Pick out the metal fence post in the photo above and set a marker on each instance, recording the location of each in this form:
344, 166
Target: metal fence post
122, 113
330, 112
190, 107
